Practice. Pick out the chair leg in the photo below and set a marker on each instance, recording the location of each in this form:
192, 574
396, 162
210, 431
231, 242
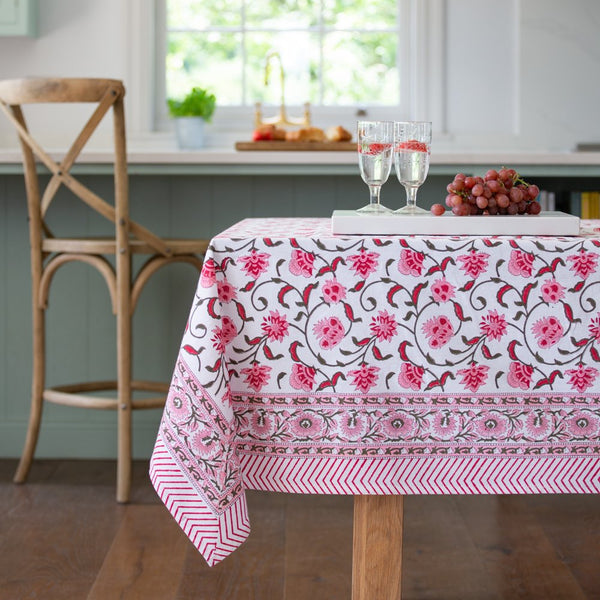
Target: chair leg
37, 388
124, 454
124, 410
124, 324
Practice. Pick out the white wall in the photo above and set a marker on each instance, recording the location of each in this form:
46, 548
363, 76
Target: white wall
76, 38
482, 67
511, 73
560, 71
523, 73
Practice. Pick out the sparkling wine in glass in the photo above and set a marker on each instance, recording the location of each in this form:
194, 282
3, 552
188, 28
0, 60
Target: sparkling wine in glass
375, 149
412, 144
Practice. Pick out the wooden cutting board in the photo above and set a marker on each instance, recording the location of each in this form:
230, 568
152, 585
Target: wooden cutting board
297, 146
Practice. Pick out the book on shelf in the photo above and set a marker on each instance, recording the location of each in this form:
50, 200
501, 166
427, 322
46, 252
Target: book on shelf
590, 205
547, 200
575, 205
584, 204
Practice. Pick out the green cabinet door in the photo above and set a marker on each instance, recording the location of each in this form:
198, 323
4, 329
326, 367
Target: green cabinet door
18, 17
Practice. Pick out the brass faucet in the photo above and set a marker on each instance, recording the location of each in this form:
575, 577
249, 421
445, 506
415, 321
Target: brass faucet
281, 118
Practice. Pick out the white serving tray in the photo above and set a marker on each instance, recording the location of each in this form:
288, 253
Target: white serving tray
546, 223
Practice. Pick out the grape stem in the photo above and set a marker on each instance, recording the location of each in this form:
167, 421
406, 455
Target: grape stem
517, 179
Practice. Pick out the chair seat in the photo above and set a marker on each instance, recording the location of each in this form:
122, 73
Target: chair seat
100, 245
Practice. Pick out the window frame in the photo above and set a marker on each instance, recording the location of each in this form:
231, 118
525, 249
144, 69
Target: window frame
420, 65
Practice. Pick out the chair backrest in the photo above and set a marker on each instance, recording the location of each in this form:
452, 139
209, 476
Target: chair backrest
107, 94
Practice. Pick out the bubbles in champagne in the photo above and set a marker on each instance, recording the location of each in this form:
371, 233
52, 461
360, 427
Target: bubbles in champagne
411, 167
375, 162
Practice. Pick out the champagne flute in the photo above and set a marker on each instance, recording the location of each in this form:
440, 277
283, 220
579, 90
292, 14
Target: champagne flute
412, 143
375, 146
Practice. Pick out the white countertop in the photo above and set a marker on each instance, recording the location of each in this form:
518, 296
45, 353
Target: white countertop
224, 156
169, 161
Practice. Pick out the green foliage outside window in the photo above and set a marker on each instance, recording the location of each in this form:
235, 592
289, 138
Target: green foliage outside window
334, 52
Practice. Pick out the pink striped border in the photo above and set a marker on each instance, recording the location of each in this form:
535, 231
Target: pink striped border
413, 476
215, 536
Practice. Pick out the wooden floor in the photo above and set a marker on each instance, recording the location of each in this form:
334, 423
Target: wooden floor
62, 536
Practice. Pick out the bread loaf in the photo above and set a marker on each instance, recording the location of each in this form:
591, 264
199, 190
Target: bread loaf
338, 134
306, 134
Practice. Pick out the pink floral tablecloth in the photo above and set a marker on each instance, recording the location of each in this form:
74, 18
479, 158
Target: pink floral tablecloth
316, 363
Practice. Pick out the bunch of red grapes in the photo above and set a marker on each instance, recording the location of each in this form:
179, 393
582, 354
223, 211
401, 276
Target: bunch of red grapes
500, 192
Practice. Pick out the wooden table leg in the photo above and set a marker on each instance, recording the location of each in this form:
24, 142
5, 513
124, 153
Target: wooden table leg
377, 548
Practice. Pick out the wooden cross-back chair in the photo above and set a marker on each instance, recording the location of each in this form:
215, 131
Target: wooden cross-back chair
48, 253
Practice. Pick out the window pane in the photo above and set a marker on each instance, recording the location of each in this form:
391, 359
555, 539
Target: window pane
186, 14
361, 14
333, 52
208, 60
282, 14
299, 58
360, 68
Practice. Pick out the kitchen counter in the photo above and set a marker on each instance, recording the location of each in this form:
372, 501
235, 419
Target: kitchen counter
170, 161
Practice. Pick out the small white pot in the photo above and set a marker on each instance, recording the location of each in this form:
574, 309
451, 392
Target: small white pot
190, 132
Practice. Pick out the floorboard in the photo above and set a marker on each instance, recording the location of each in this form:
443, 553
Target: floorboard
62, 535
440, 558
145, 559
516, 553
318, 547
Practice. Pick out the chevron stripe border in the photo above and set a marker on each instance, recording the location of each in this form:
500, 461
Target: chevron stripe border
215, 536
408, 476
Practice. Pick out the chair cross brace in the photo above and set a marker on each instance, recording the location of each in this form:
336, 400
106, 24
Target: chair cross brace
61, 175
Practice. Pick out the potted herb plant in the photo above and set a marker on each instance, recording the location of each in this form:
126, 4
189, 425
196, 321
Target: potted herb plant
190, 115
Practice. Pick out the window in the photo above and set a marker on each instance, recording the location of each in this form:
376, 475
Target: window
333, 52
343, 56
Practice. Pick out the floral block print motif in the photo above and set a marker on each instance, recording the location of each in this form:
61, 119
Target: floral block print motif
483, 315
302, 345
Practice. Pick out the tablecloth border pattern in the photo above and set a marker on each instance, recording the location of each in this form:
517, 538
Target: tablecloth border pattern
215, 517
217, 535
214, 535
417, 476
